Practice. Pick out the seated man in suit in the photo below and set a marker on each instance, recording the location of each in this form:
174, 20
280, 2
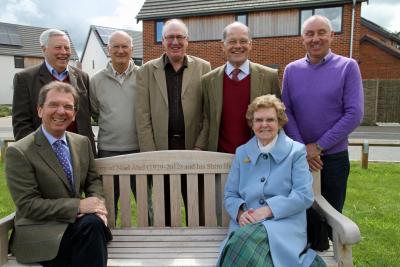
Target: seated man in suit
47, 173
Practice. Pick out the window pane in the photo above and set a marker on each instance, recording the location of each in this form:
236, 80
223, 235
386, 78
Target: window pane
19, 62
275, 23
242, 18
334, 14
305, 14
159, 26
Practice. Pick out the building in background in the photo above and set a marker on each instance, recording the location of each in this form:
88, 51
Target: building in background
275, 26
379, 52
95, 54
20, 49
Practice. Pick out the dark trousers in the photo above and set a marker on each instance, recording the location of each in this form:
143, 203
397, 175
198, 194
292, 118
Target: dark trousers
84, 243
334, 175
106, 154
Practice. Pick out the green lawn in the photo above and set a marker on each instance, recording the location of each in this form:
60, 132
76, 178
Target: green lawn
373, 202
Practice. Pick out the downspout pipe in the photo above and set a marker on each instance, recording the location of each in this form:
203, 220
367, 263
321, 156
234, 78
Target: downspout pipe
352, 28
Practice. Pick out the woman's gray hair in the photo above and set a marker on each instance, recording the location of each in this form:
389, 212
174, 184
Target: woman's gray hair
267, 101
45, 36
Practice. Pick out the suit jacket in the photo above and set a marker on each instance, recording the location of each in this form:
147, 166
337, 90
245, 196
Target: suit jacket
286, 189
152, 105
27, 85
39, 188
263, 80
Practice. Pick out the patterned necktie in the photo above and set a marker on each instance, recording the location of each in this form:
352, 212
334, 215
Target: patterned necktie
235, 75
62, 155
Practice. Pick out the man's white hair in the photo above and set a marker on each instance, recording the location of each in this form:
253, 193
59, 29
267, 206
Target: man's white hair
45, 36
175, 21
314, 17
120, 32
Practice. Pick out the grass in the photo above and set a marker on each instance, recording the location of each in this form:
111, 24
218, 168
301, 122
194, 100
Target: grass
5, 110
6, 204
373, 198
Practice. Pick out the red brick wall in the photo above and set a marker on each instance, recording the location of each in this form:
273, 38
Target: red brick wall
271, 50
375, 63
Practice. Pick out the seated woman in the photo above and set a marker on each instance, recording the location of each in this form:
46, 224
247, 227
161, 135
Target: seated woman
268, 190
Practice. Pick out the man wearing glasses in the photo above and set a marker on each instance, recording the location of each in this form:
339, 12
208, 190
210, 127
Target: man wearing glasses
230, 88
61, 218
27, 83
169, 104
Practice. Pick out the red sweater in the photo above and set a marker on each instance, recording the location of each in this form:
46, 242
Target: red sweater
234, 130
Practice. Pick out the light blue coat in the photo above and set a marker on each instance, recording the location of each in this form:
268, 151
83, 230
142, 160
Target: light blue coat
280, 179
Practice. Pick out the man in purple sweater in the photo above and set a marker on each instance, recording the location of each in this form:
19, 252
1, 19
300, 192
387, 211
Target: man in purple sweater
324, 101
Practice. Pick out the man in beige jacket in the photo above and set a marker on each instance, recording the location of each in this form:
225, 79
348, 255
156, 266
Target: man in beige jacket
169, 106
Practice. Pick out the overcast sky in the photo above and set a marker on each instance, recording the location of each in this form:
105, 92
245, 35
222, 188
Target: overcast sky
76, 16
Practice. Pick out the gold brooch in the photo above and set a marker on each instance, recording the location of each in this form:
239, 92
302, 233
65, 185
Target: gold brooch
246, 160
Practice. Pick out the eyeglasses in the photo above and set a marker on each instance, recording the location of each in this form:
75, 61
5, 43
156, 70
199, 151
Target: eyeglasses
171, 38
240, 41
267, 120
56, 106
123, 47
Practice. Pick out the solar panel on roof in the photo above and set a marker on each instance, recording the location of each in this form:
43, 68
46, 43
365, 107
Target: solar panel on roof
9, 35
105, 34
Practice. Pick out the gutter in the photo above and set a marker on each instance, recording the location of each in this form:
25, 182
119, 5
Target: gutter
352, 28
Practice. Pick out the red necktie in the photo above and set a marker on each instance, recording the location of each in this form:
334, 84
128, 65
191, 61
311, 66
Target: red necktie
235, 75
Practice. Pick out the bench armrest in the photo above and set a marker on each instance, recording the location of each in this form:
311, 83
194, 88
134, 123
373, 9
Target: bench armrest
347, 230
6, 225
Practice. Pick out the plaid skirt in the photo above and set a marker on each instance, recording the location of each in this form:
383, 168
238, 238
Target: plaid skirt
248, 246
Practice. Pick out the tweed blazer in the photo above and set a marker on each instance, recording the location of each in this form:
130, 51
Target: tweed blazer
263, 80
152, 105
27, 85
39, 188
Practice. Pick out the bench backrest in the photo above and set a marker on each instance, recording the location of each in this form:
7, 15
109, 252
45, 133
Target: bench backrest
212, 167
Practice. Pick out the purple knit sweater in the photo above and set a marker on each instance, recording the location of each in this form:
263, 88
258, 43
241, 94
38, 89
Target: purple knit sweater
324, 102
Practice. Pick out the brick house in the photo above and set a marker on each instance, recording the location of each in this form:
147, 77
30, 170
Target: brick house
275, 27
379, 52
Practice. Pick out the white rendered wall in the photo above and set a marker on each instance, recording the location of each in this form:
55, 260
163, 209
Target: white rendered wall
6, 78
94, 52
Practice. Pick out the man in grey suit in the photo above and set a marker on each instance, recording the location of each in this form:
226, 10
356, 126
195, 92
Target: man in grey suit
230, 88
27, 83
47, 173
169, 106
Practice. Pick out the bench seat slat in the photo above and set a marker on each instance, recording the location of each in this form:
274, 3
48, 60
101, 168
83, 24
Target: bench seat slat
175, 199
158, 200
193, 200
142, 207
108, 186
157, 244
170, 231
125, 203
165, 255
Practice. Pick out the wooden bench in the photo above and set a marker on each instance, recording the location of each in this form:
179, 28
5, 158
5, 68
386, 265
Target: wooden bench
195, 245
